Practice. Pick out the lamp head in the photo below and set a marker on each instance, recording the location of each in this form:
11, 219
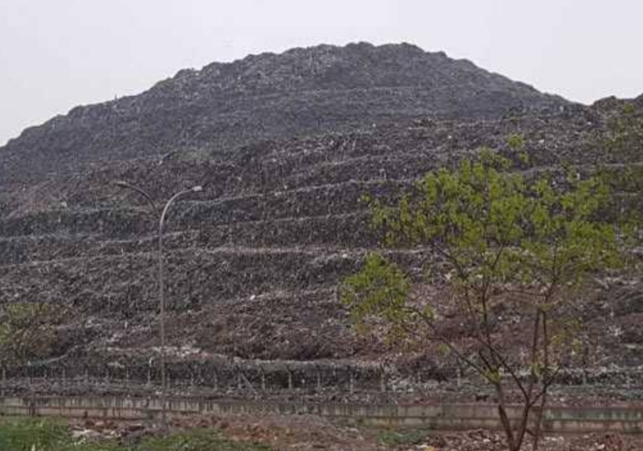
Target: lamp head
121, 184
197, 189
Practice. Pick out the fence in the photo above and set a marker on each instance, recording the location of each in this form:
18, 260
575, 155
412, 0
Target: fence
251, 379
232, 379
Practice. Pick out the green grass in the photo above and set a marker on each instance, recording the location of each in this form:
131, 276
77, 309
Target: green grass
25, 435
402, 437
47, 435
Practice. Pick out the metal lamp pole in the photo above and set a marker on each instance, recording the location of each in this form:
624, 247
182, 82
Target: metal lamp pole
161, 280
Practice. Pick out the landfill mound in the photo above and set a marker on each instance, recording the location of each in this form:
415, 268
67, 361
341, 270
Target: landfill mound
254, 260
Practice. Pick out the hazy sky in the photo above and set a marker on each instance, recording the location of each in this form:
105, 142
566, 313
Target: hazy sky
56, 54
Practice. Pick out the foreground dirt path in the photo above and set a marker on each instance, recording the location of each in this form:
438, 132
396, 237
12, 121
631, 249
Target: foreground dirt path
309, 433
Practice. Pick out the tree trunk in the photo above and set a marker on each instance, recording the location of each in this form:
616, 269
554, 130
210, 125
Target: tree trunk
539, 419
504, 418
543, 403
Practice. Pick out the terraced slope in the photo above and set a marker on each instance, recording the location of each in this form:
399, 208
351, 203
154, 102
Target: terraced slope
254, 261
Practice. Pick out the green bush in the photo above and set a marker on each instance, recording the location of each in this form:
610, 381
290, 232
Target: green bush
198, 440
403, 437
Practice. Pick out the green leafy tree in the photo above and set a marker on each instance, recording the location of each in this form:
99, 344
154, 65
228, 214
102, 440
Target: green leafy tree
498, 239
27, 331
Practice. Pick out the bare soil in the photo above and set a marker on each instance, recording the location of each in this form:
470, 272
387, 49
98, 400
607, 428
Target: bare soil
303, 433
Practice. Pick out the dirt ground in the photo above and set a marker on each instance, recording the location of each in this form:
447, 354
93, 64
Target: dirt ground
306, 433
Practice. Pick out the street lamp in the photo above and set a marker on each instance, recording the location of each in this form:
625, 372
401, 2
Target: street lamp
161, 277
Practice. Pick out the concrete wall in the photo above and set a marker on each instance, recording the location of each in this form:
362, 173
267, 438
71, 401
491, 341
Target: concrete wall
444, 416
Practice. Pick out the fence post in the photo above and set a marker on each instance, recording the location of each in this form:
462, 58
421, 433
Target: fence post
382, 380
351, 381
290, 384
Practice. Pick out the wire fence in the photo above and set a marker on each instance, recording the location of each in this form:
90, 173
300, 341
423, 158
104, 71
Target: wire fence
243, 380
255, 380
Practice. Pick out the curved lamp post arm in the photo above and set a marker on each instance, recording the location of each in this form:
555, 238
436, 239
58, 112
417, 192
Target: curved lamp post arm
194, 189
146, 196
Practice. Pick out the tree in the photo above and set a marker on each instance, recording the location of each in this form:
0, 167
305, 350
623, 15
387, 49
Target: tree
27, 331
498, 239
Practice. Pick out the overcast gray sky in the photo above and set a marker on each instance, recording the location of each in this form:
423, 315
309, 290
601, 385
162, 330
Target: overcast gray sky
56, 54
